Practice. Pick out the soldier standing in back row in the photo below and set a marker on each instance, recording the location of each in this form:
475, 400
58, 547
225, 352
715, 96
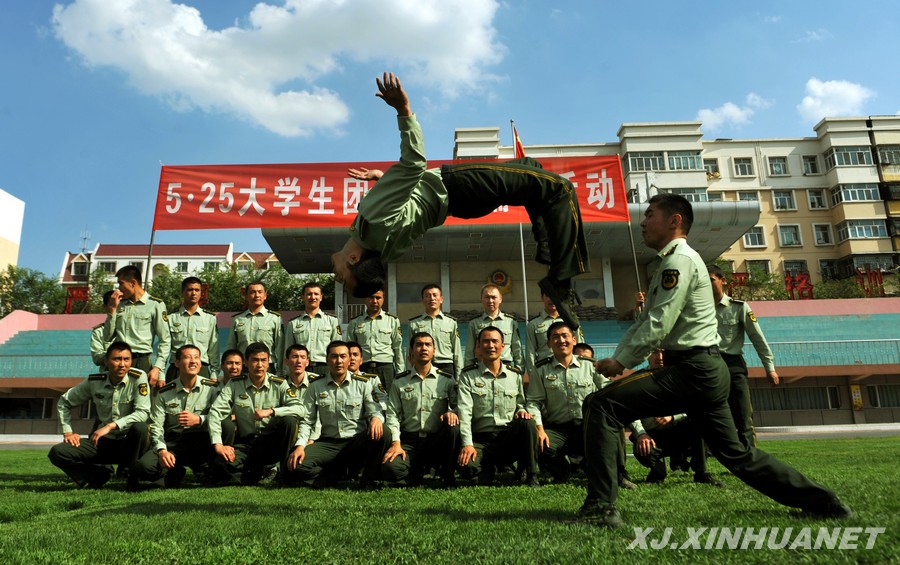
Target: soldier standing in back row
536, 347
190, 324
381, 339
135, 317
491, 299
448, 355
313, 328
99, 343
256, 324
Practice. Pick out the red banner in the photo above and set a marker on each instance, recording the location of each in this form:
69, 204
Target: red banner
323, 195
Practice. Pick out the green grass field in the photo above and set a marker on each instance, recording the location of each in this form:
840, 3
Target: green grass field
44, 519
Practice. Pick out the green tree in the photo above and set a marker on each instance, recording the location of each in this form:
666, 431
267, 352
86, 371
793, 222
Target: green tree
30, 290
166, 286
99, 283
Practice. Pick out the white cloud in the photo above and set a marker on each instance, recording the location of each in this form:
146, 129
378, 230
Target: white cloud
832, 98
730, 113
820, 34
166, 49
772, 19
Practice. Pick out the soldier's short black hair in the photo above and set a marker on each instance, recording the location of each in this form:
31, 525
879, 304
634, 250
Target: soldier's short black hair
429, 287
675, 204
716, 270
370, 273
230, 352
255, 283
189, 281
296, 347
312, 284
130, 273
336, 343
417, 335
185, 347
118, 346
491, 329
106, 296
353, 345
555, 326
256, 347
585, 348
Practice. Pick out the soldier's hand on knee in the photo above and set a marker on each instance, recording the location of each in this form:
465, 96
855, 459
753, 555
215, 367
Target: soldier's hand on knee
543, 440
226, 451
295, 458
392, 453
376, 430
166, 458
644, 445
72, 439
466, 455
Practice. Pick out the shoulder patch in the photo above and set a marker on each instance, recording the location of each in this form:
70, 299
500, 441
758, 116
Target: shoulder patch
444, 373
156, 299
276, 312
669, 279
417, 317
449, 316
590, 360
402, 374
209, 382
135, 373
515, 369
364, 377
388, 314
469, 368
213, 314
96, 377
297, 317
236, 314
276, 380
751, 315
543, 361
670, 251
169, 386
534, 318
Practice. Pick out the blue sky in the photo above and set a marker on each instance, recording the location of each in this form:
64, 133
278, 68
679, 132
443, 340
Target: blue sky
97, 93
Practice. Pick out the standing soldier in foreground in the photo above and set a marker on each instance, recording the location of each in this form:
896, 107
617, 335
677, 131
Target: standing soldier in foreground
536, 347
381, 339
491, 299
313, 328
190, 324
448, 355
135, 317
734, 318
256, 324
122, 399
680, 319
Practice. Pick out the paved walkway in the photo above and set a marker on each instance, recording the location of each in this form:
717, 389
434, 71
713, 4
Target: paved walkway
26, 441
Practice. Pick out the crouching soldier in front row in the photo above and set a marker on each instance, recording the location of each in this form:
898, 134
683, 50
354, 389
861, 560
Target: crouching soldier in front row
179, 435
265, 410
122, 400
351, 422
421, 419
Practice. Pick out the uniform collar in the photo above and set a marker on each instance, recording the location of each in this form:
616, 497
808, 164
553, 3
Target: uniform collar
487, 372
179, 387
487, 316
183, 310
262, 312
316, 315
377, 316
303, 383
559, 363
143, 299
439, 314
726, 300
432, 374
669, 247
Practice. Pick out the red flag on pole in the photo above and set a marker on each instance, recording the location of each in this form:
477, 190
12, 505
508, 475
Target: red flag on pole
520, 150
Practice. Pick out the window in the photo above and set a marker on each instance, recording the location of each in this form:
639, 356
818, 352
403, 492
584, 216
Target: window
755, 237
796, 398
889, 155
108, 267
816, 199
743, 166
778, 166
745, 196
861, 229
712, 168
848, 156
884, 396
685, 161
873, 262
714, 196
79, 269
784, 200
822, 234
789, 235
210, 265
758, 265
138, 264
858, 192
828, 269
810, 164
795, 267
26, 408
244, 266
692, 194
646, 161
893, 191
181, 267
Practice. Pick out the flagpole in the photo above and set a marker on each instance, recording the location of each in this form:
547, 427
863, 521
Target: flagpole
512, 127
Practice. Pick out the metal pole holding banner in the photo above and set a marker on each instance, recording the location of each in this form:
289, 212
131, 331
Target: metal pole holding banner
524, 279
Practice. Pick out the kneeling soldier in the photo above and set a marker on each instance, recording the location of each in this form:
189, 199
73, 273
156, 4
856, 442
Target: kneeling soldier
122, 400
494, 425
179, 434
420, 418
265, 414
351, 422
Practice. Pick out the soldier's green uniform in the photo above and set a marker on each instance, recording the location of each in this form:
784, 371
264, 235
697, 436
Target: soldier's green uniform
679, 317
677, 440
556, 393
413, 417
734, 319
381, 340
99, 344
200, 330
509, 326
127, 404
443, 329
190, 445
536, 347
487, 407
410, 199
315, 332
264, 327
258, 443
137, 322
301, 391
343, 412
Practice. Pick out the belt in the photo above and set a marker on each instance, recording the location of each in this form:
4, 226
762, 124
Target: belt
374, 364
317, 364
135, 355
675, 355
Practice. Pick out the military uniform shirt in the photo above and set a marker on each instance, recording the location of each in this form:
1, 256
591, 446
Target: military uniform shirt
536, 347
486, 403
380, 337
415, 405
172, 400
342, 410
445, 332
556, 392
512, 352
240, 397
410, 199
136, 323
263, 327
315, 332
679, 312
301, 392
734, 318
642, 426
125, 403
98, 346
198, 329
